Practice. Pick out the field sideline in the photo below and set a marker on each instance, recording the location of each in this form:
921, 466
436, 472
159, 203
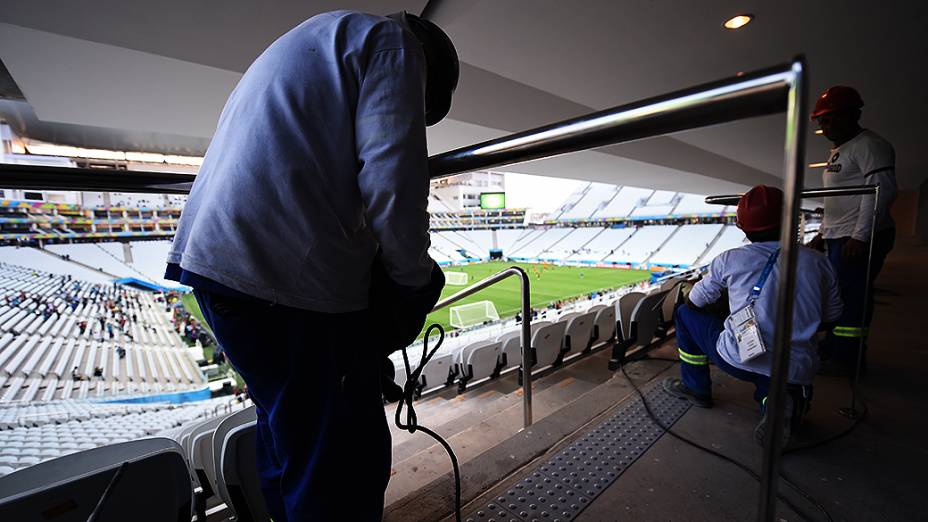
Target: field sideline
553, 284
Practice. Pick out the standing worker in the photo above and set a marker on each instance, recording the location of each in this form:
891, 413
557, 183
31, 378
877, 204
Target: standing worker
318, 163
859, 157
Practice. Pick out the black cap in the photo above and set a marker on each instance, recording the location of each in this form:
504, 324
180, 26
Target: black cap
441, 65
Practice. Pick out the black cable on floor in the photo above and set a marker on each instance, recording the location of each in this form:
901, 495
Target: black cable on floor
836, 436
411, 425
724, 457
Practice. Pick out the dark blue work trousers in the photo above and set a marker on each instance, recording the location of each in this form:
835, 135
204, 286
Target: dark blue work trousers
697, 335
323, 445
843, 342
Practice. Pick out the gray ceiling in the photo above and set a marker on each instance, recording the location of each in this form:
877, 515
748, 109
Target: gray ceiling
154, 76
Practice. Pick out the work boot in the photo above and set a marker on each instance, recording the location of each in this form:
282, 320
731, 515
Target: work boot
679, 390
760, 431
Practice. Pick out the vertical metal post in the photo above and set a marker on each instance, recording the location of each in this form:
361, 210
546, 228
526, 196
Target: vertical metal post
526, 349
789, 245
852, 410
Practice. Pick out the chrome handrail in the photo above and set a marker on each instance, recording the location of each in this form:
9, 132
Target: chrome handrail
526, 327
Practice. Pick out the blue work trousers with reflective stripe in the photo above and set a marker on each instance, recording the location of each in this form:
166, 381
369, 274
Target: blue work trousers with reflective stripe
323, 445
843, 342
697, 335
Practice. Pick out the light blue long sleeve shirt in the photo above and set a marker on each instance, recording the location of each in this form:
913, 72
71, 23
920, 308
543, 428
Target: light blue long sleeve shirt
817, 300
319, 157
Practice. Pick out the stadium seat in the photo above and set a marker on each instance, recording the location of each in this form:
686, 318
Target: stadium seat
626, 305
579, 333
438, 373
674, 294
604, 324
511, 346
643, 326
547, 344
236, 466
154, 486
233, 422
201, 455
479, 361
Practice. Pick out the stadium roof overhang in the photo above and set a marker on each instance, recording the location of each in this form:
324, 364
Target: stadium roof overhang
131, 76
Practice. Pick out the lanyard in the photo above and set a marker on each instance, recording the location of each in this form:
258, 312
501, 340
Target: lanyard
771, 261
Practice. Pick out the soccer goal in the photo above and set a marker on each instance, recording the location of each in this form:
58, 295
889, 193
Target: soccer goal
456, 278
474, 313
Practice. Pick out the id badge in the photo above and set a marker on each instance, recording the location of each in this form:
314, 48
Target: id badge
747, 334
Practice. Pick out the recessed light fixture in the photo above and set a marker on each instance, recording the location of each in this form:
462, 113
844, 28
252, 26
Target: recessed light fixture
818, 165
739, 21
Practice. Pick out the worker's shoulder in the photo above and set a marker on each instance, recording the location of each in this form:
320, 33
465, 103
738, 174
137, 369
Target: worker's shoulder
872, 141
374, 31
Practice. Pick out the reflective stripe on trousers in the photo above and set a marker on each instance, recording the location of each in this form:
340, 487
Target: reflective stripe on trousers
850, 331
698, 360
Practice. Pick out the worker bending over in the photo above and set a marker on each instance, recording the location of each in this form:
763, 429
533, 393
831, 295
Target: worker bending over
318, 163
859, 157
739, 340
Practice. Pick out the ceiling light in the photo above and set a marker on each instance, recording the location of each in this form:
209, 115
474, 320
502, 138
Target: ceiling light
818, 165
819, 131
739, 21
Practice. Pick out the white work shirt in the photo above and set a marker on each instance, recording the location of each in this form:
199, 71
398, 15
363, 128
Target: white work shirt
818, 299
319, 158
866, 159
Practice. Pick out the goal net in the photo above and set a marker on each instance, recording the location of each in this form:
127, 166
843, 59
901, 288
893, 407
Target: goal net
474, 313
456, 278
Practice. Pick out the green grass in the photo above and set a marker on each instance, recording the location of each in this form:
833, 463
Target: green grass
555, 283
193, 307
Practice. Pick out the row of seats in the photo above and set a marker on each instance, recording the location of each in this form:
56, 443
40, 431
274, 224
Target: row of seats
634, 319
552, 343
37, 433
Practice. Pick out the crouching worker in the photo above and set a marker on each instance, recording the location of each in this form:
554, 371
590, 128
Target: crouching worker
318, 162
740, 341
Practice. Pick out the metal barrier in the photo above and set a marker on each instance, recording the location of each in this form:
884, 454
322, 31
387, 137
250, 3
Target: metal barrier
526, 327
764, 92
732, 199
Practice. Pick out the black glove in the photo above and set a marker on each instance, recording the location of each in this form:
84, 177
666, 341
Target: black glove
398, 312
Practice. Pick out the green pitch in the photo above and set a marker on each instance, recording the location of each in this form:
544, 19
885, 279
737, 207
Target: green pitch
547, 283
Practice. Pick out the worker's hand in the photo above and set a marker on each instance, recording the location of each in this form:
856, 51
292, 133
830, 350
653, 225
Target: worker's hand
854, 249
817, 243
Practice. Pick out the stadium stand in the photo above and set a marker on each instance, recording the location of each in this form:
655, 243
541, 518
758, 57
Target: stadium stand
602, 245
65, 338
623, 203
542, 242
642, 245
729, 238
25, 256
570, 244
482, 239
697, 240
595, 196
34, 433
693, 205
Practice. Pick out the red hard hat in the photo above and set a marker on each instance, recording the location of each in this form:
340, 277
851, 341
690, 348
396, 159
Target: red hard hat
759, 210
837, 98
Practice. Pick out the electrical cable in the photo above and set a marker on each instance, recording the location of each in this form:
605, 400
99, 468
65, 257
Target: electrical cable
724, 457
836, 436
411, 425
